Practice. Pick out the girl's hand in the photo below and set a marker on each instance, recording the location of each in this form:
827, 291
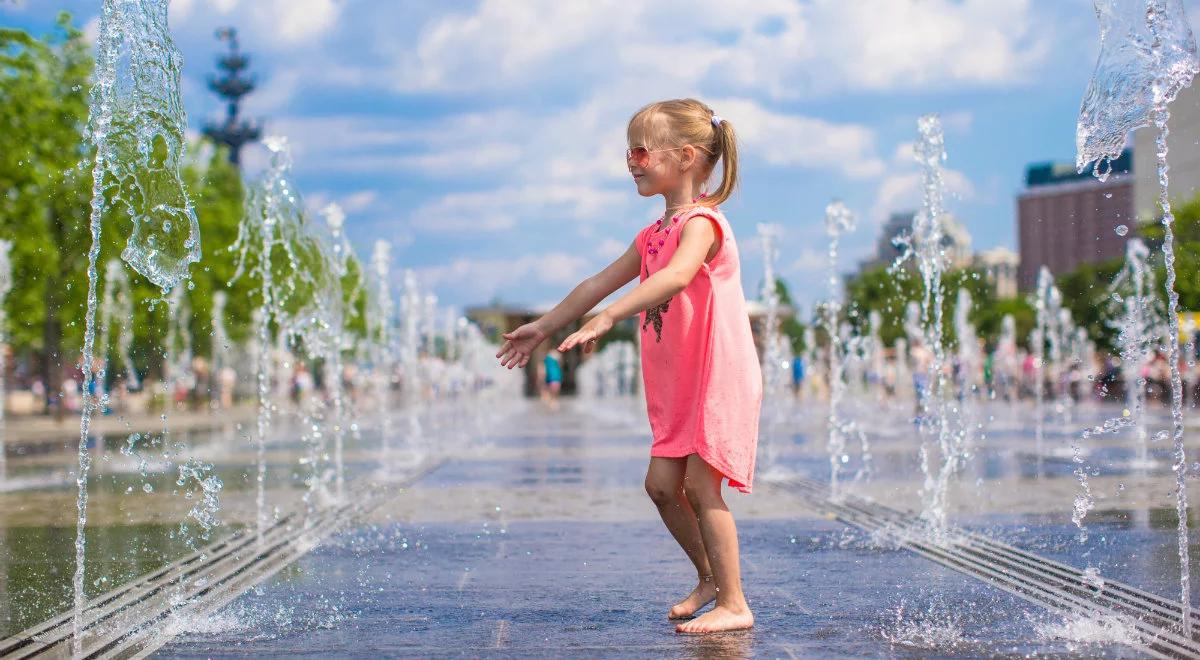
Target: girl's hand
588, 335
519, 345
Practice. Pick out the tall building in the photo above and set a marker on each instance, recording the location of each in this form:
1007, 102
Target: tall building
1182, 139
1066, 219
897, 232
999, 265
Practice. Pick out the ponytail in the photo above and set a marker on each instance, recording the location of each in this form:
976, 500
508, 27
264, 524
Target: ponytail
725, 143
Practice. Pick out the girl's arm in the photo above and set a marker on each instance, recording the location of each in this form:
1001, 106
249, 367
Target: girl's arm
520, 343
591, 291
695, 245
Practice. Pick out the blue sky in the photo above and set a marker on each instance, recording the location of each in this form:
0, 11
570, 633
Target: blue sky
485, 139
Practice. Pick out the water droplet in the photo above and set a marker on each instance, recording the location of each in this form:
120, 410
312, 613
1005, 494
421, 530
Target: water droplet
1121, 230
147, 488
1107, 195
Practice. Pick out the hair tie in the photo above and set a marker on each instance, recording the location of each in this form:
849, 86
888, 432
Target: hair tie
716, 121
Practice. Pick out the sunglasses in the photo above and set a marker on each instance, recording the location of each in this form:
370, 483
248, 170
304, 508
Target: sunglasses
640, 156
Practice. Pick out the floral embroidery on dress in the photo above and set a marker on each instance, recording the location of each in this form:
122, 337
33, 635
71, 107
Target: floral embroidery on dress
654, 316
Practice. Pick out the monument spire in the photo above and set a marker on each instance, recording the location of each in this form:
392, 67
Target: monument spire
231, 84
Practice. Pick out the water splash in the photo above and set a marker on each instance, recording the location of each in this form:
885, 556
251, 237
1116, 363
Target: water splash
1047, 302
221, 350
117, 309
410, 342
297, 286
345, 263
1141, 328
838, 220
198, 482
1007, 360
943, 438
876, 357
136, 122
937, 627
383, 357
1147, 55
776, 358
178, 360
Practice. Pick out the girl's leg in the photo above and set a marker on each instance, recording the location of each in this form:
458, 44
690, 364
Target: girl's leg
664, 484
732, 612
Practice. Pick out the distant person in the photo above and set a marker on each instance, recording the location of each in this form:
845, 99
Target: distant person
553, 368
702, 380
797, 374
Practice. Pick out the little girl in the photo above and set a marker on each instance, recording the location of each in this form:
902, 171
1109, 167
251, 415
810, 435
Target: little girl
699, 365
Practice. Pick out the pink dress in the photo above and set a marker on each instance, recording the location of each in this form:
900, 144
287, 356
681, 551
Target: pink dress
700, 368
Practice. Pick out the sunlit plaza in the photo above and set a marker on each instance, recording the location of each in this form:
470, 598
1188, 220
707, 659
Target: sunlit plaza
274, 279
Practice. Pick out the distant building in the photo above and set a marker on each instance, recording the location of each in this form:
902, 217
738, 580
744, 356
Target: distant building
1066, 219
897, 229
999, 265
956, 241
897, 232
1183, 152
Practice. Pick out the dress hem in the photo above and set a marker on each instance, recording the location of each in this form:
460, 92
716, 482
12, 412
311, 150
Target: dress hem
734, 482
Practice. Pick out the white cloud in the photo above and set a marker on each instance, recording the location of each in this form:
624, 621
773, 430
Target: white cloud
900, 190
275, 24
958, 122
788, 49
485, 278
807, 262
499, 209
782, 139
275, 95
611, 248
350, 203
919, 43
360, 201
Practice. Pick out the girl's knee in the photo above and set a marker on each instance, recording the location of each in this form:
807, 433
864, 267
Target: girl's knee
661, 491
704, 495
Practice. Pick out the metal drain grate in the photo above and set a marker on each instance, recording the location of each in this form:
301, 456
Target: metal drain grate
128, 622
1043, 581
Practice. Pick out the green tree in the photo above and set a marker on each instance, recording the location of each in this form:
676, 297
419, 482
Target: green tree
889, 292
45, 195
1187, 253
1085, 291
45, 185
789, 324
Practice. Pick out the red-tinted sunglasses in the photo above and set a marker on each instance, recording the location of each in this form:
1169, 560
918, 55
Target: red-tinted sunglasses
640, 156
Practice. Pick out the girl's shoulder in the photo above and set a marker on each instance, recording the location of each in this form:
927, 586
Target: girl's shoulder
713, 212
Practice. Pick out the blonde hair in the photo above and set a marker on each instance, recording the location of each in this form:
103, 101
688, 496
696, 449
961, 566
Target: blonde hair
680, 122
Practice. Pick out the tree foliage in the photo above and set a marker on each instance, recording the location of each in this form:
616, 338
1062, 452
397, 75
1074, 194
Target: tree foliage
889, 291
45, 194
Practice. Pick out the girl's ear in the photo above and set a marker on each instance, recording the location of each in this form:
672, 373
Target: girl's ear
687, 157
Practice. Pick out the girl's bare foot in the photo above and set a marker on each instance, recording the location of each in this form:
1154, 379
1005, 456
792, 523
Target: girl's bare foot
703, 594
718, 619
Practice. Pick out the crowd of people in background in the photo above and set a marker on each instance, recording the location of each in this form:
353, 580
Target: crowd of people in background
197, 386
1001, 375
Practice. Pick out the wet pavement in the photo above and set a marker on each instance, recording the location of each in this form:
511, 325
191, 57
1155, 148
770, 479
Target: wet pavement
542, 543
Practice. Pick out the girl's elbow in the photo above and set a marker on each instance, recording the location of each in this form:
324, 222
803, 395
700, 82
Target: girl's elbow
679, 282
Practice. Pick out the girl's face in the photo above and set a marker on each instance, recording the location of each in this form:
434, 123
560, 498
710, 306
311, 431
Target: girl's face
654, 171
